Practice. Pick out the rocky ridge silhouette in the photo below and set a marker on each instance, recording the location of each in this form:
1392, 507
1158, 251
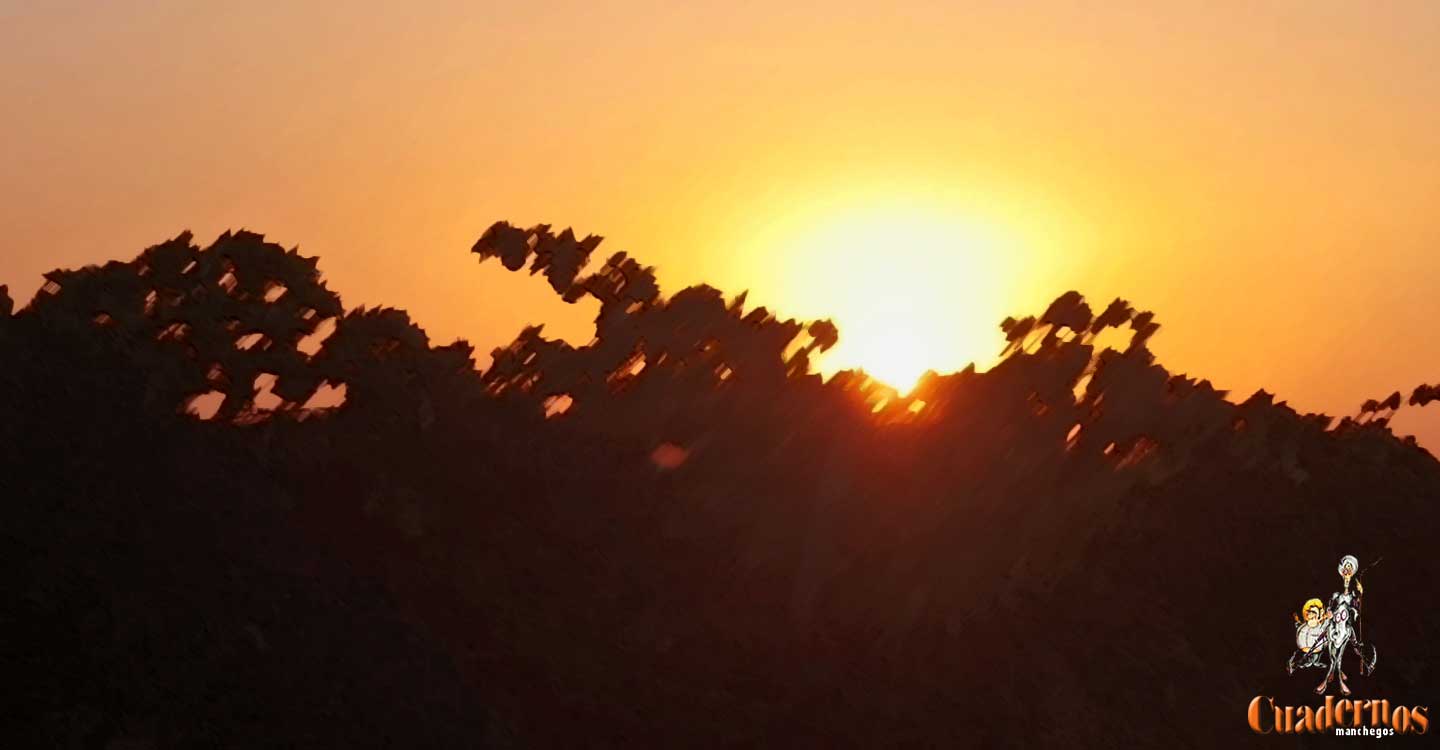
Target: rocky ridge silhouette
677, 534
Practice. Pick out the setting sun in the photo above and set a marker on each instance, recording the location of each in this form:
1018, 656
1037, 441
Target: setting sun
913, 284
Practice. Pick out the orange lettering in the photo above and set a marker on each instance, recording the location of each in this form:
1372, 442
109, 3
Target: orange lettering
1379, 712
1255, 714
1418, 717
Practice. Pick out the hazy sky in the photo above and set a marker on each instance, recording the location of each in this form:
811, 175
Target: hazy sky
1265, 176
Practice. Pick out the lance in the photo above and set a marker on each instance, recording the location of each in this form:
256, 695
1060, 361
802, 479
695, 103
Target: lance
1360, 631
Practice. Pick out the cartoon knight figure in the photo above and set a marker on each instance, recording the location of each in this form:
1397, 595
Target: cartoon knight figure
1310, 635
1342, 628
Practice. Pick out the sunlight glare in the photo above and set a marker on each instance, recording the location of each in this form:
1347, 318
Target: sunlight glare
912, 287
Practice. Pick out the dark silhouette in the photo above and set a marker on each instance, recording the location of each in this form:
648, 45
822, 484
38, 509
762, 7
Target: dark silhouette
674, 535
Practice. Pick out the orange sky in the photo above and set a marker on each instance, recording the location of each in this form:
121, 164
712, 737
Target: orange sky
1267, 180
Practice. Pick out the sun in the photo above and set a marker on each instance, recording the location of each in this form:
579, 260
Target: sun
911, 285
895, 355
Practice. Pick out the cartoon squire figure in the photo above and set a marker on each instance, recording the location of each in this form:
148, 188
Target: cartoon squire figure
1309, 637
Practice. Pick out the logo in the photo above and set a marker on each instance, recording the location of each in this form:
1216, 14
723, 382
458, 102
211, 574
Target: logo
1366, 718
1329, 635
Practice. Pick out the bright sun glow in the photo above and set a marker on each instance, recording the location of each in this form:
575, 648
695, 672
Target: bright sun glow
913, 287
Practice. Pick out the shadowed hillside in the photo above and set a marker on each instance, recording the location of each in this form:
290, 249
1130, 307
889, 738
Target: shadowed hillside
676, 535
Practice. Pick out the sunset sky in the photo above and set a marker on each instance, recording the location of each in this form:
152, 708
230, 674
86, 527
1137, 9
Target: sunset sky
1264, 176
